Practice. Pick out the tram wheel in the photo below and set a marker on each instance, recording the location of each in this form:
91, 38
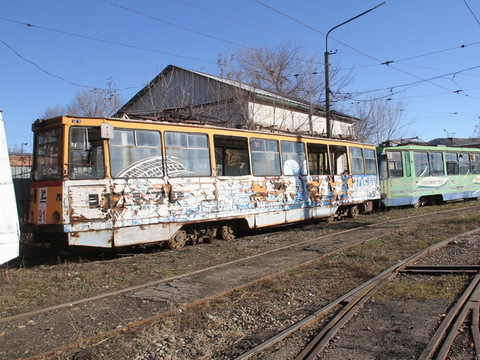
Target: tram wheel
178, 240
227, 232
353, 212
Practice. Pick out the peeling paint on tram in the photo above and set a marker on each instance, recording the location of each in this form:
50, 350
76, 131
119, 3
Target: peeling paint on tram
135, 202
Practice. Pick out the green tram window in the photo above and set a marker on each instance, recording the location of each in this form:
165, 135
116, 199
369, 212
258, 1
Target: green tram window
318, 159
452, 163
395, 164
85, 153
187, 154
436, 164
421, 164
356, 156
265, 157
293, 158
464, 167
136, 154
475, 162
428, 164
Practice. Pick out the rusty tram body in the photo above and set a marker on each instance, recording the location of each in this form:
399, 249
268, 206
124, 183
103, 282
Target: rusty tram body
107, 182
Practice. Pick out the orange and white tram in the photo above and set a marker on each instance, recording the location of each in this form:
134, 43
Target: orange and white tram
106, 182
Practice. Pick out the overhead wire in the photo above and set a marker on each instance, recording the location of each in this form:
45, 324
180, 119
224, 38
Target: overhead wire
471, 11
192, 30
43, 70
388, 63
105, 41
174, 25
228, 17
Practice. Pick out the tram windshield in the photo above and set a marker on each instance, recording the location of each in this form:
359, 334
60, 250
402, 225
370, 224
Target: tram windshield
48, 155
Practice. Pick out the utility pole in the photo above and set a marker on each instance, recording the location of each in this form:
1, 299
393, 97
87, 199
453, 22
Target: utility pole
328, 114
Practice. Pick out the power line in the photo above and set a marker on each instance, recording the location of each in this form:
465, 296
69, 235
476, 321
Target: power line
412, 84
228, 17
413, 57
105, 41
465, 1
352, 48
175, 25
42, 69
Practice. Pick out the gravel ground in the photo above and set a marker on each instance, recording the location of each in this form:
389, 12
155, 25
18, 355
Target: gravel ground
221, 328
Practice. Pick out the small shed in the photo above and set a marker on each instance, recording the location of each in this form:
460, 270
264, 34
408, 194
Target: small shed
191, 95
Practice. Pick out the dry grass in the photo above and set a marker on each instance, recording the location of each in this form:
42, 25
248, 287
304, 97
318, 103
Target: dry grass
26, 287
224, 322
425, 287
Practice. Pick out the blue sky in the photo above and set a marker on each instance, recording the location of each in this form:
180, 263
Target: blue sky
432, 48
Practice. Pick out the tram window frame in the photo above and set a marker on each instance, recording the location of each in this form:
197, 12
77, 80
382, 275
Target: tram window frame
339, 160
231, 155
437, 166
427, 163
370, 162
475, 163
318, 163
356, 157
265, 157
422, 167
451, 160
85, 153
192, 151
464, 166
136, 153
395, 164
48, 154
294, 160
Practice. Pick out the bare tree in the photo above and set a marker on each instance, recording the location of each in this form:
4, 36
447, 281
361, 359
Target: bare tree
286, 69
92, 103
381, 120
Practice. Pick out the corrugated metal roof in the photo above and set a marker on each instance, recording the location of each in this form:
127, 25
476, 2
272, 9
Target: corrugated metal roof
257, 92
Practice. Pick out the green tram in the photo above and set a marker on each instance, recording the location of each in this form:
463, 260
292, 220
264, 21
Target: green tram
426, 175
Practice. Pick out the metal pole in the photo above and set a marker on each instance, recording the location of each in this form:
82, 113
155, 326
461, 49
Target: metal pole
328, 116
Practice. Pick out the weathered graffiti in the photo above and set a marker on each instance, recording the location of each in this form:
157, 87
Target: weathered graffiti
146, 201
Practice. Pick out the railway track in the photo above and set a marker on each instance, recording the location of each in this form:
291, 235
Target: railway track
352, 302
46, 343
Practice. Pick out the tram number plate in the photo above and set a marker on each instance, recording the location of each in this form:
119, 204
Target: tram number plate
42, 205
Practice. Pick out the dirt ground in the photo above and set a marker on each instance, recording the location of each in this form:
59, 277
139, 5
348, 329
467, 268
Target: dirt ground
199, 317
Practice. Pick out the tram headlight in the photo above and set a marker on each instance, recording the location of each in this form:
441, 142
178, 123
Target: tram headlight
56, 217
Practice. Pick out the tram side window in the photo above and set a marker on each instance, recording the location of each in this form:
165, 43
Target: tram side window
318, 159
436, 164
395, 164
370, 162
421, 164
356, 155
231, 155
463, 164
136, 154
85, 154
293, 158
428, 164
265, 157
475, 158
452, 163
187, 154
339, 160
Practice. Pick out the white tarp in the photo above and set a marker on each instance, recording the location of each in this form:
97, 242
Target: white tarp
9, 228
